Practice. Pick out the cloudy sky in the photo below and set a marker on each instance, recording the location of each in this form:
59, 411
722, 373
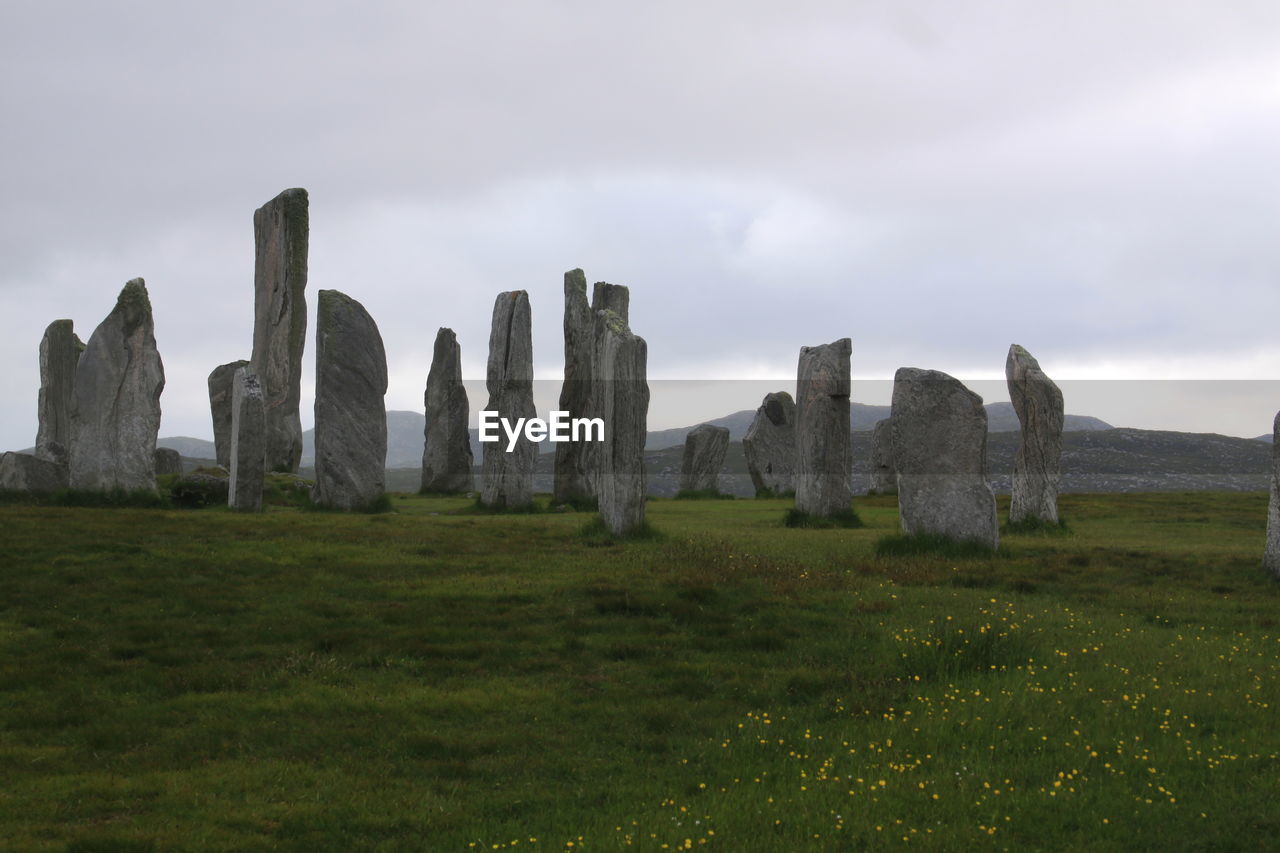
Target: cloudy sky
1095, 180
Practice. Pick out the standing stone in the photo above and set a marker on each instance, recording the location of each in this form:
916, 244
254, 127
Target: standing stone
280, 230
60, 351
770, 445
351, 414
446, 452
620, 397
221, 385
940, 450
884, 477
704, 449
21, 472
1271, 557
611, 297
168, 461
507, 477
824, 451
248, 449
115, 407
1038, 403
572, 473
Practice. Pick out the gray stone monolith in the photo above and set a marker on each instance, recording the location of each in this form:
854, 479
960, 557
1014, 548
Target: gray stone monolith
573, 478
115, 405
1271, 556
248, 443
446, 450
884, 477
1036, 467
940, 452
350, 410
168, 461
620, 398
21, 472
281, 232
824, 452
221, 385
60, 351
507, 475
770, 446
704, 449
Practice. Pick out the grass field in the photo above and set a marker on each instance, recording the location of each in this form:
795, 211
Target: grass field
437, 679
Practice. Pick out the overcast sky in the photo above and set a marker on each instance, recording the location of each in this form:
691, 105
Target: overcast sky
1096, 181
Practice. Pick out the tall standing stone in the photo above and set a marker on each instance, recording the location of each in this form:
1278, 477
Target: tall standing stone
620, 397
770, 445
507, 476
940, 450
247, 462
115, 407
446, 451
611, 297
221, 387
280, 229
351, 414
884, 476
1271, 557
704, 449
824, 452
572, 472
60, 351
1038, 403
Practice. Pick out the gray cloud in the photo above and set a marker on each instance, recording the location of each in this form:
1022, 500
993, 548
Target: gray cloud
1092, 180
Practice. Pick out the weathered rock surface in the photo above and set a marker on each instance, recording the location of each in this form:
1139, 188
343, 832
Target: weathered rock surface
248, 443
884, 477
507, 476
940, 451
115, 406
21, 472
573, 480
281, 233
1271, 556
703, 458
1036, 468
221, 384
824, 456
168, 461
620, 396
611, 297
351, 414
60, 351
446, 452
770, 445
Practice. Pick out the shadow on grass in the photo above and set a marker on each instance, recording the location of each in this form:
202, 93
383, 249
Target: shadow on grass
380, 504
594, 532
1038, 527
931, 544
702, 495
845, 518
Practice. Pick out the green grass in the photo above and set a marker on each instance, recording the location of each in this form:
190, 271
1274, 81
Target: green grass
798, 518
902, 545
702, 495
434, 678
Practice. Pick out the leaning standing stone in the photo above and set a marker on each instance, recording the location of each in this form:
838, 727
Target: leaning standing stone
770, 445
1038, 403
60, 351
572, 471
115, 406
940, 450
884, 478
281, 233
824, 453
351, 415
620, 397
507, 477
20, 472
446, 452
704, 449
1271, 557
248, 451
221, 385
